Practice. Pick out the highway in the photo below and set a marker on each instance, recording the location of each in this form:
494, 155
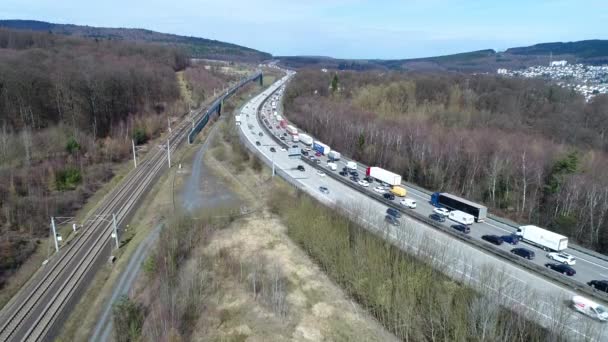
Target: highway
35, 313
509, 284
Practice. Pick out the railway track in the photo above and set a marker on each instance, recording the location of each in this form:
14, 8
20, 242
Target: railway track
32, 313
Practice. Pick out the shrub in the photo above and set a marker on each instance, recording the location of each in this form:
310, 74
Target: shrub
140, 136
128, 319
68, 179
72, 146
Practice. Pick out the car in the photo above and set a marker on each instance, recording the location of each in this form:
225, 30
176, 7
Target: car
363, 183
600, 285
283, 149
307, 149
282, 138
278, 127
342, 173
354, 179
304, 153
391, 220
523, 252
312, 158
562, 257
511, 239
354, 173
301, 168
272, 149
379, 190
261, 134
493, 239
318, 161
393, 212
437, 217
462, 228
321, 173
324, 189
284, 134
441, 211
258, 143
388, 196
318, 154
369, 179
408, 202
561, 268
294, 146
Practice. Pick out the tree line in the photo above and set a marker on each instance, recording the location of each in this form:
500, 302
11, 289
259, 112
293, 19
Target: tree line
531, 151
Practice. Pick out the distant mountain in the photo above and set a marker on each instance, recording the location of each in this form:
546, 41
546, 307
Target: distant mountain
587, 51
197, 47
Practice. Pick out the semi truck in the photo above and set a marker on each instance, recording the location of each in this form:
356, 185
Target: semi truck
321, 148
291, 130
383, 175
461, 217
452, 202
545, 239
334, 155
305, 139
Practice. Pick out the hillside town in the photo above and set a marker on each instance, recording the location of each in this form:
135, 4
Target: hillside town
589, 80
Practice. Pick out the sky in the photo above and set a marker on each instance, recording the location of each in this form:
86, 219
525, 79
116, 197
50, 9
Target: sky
384, 29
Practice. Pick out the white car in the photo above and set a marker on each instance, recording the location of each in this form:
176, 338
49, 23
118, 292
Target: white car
380, 190
564, 258
441, 211
408, 202
363, 183
321, 173
283, 149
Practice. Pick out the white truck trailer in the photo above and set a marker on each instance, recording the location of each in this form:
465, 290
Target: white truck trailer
383, 175
291, 130
305, 139
545, 239
461, 217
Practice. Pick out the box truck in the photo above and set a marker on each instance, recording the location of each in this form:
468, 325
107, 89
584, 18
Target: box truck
334, 155
351, 165
321, 147
305, 139
461, 217
383, 175
545, 239
398, 191
291, 130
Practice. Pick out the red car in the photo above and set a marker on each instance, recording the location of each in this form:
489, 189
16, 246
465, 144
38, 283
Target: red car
318, 154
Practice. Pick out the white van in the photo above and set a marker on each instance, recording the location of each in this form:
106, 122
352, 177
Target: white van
589, 308
332, 166
461, 217
408, 202
351, 165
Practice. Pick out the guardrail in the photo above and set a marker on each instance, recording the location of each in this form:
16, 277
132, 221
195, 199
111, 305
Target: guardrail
217, 105
551, 275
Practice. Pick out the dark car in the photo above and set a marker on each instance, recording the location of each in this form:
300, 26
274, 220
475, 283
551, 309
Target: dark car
462, 228
284, 134
278, 127
600, 285
369, 179
494, 239
345, 169
391, 220
524, 253
511, 239
272, 149
389, 196
301, 168
282, 138
304, 153
354, 173
342, 173
393, 212
354, 179
261, 134
258, 143
437, 217
294, 146
561, 268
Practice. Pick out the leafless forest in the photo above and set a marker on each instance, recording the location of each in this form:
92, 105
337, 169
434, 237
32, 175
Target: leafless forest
529, 150
69, 108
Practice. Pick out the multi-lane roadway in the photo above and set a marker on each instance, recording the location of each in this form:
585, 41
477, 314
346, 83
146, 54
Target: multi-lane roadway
512, 285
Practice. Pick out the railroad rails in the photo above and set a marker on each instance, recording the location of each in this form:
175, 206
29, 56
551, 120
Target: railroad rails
32, 313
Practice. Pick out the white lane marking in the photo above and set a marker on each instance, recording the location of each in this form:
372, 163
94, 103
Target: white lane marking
504, 230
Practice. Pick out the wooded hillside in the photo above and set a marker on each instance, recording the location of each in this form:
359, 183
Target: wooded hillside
530, 151
69, 108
